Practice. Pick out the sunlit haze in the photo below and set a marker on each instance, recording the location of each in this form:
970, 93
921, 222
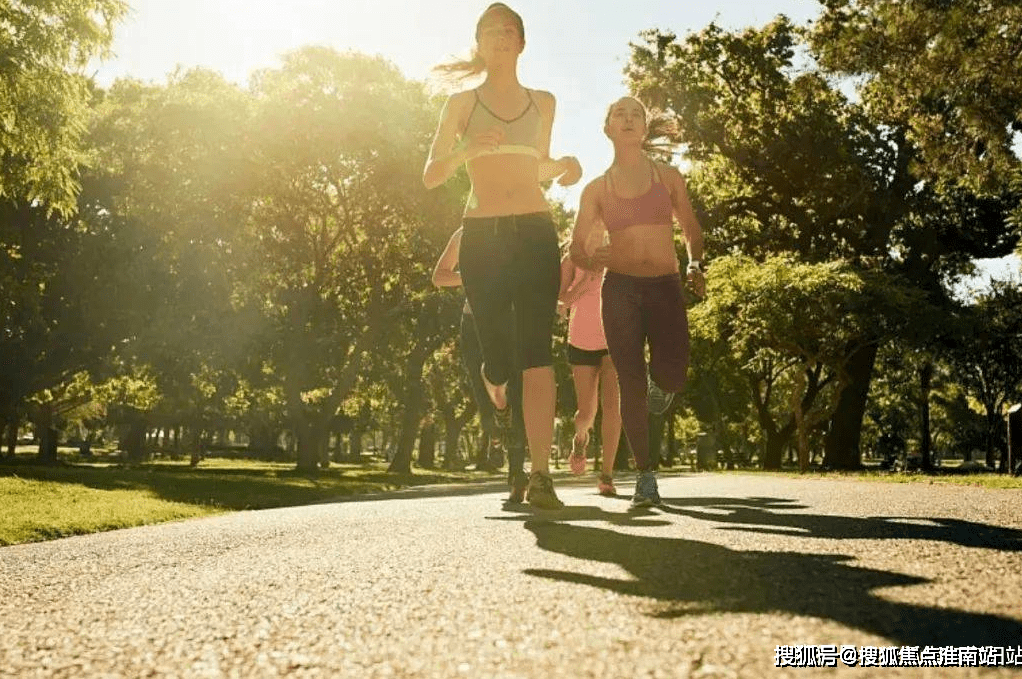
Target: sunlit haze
574, 48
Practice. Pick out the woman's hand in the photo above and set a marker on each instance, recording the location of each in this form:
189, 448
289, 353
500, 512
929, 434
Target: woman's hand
572, 170
597, 261
484, 142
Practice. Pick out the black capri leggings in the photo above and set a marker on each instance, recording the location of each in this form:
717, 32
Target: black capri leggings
510, 267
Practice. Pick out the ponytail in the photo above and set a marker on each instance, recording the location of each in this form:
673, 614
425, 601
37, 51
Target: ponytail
460, 70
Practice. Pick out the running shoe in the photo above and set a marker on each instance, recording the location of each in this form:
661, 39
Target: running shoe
540, 493
605, 486
577, 459
646, 492
519, 482
658, 399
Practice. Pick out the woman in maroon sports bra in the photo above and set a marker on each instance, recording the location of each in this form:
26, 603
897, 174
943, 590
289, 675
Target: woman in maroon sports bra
509, 260
637, 199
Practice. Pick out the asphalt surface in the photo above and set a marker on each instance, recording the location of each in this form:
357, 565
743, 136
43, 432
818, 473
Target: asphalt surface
449, 582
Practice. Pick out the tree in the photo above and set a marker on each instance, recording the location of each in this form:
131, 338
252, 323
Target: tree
44, 98
784, 163
339, 224
987, 354
167, 184
788, 325
946, 71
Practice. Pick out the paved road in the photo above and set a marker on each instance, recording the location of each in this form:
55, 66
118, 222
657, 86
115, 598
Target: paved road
449, 583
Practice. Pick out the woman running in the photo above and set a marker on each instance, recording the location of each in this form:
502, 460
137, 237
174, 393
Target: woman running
446, 274
592, 371
509, 256
643, 301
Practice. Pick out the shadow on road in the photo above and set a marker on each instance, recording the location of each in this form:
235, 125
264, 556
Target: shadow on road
761, 515
685, 577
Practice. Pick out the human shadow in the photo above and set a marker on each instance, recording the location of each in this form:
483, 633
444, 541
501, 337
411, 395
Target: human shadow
685, 577
771, 516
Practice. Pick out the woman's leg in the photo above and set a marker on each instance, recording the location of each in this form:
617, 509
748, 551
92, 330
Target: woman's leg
586, 380
537, 268
667, 324
487, 272
626, 338
472, 359
610, 401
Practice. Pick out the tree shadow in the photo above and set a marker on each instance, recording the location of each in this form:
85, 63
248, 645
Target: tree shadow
760, 515
686, 577
240, 489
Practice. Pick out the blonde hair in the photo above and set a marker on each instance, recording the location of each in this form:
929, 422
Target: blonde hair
460, 70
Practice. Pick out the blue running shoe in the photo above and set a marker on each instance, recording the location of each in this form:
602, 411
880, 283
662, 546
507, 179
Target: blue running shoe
646, 492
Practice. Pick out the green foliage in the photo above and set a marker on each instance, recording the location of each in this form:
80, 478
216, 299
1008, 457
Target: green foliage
44, 98
786, 328
947, 70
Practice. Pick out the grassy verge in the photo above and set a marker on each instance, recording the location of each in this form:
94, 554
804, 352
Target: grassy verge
947, 476
42, 503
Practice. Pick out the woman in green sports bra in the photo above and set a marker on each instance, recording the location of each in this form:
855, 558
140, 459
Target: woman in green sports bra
509, 261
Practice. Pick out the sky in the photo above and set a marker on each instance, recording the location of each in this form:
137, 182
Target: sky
576, 49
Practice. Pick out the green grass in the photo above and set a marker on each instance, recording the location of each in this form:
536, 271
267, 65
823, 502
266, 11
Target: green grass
42, 503
944, 475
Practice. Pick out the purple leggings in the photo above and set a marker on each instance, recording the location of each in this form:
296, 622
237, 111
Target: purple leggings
637, 310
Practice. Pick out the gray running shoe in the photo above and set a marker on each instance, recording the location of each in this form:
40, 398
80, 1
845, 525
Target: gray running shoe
541, 492
646, 492
658, 399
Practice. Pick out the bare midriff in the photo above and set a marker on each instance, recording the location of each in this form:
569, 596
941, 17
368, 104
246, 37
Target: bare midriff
643, 250
505, 184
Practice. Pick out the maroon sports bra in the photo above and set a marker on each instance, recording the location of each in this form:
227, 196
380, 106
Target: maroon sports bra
652, 207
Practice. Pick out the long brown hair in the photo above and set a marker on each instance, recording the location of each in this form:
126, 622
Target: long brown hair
460, 70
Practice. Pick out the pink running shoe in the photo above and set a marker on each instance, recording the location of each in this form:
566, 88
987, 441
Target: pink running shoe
605, 486
577, 459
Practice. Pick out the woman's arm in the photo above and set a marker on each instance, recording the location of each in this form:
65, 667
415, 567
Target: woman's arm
445, 154
585, 225
445, 274
566, 169
693, 233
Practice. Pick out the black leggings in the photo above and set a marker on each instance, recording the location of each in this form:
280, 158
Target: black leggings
637, 310
472, 357
510, 267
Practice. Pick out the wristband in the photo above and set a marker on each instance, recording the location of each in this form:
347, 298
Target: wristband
695, 265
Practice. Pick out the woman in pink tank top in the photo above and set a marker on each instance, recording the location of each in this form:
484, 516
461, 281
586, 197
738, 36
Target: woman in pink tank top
592, 370
642, 295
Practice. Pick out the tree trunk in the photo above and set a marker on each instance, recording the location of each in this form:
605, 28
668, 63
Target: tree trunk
12, 436
355, 445
925, 386
427, 446
841, 445
134, 441
672, 443
773, 453
993, 423
309, 448
402, 461
413, 399
656, 439
452, 457
47, 434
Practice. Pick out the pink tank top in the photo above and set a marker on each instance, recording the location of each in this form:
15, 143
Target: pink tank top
585, 326
652, 207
